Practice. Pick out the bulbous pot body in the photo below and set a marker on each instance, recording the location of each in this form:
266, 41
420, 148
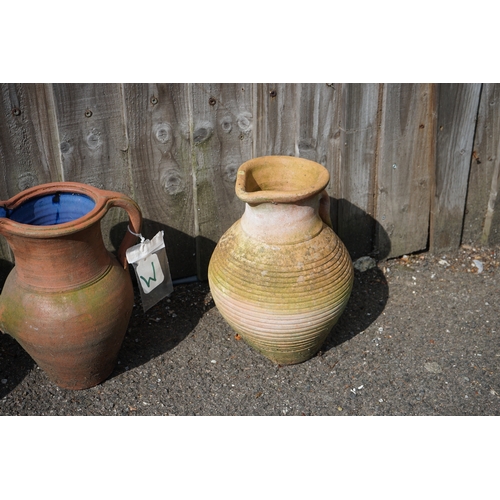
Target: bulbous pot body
280, 276
67, 300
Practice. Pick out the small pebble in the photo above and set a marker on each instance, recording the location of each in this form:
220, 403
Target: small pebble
433, 367
479, 266
364, 263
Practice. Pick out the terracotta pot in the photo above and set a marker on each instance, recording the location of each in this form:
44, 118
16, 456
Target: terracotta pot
280, 276
67, 300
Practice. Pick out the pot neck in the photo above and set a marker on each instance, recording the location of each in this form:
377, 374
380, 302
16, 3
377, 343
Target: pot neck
283, 223
60, 263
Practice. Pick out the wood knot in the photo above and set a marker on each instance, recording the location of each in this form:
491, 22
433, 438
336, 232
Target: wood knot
163, 132
202, 133
65, 147
94, 140
245, 121
172, 181
226, 124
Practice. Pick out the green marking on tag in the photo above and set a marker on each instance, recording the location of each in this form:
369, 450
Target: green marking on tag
153, 278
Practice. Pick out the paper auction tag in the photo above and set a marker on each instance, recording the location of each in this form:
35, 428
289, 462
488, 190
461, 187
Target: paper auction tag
150, 263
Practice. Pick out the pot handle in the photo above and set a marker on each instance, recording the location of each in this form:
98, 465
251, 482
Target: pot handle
119, 200
324, 208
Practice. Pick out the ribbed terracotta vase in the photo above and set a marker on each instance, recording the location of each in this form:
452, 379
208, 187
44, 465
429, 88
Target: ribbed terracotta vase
67, 300
280, 276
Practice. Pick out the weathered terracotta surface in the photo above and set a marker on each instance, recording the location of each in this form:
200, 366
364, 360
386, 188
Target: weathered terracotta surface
68, 300
280, 276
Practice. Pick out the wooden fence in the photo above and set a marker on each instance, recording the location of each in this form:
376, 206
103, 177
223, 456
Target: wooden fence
413, 166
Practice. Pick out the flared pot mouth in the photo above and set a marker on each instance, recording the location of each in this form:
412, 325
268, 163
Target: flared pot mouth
280, 179
52, 209
59, 208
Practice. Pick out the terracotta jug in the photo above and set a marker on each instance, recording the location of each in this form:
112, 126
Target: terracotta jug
67, 300
280, 276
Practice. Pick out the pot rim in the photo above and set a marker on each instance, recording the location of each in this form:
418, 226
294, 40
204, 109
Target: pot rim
98, 196
320, 182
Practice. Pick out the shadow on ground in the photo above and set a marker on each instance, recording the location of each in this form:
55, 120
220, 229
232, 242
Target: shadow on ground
363, 236
368, 299
15, 362
152, 333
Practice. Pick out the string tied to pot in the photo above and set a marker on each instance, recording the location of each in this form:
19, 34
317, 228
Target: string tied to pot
139, 235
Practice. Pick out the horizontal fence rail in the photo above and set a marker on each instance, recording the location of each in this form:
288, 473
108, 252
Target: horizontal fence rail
412, 167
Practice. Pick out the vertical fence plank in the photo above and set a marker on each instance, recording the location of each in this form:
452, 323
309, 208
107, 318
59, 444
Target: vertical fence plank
318, 132
28, 138
222, 139
318, 118
28, 142
92, 134
317, 115
277, 106
355, 142
494, 211
405, 160
481, 223
93, 143
158, 123
457, 110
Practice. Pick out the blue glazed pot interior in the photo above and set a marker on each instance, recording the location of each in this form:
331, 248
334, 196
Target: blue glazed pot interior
52, 209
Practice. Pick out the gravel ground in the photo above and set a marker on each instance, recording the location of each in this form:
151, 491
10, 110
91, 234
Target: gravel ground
420, 336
